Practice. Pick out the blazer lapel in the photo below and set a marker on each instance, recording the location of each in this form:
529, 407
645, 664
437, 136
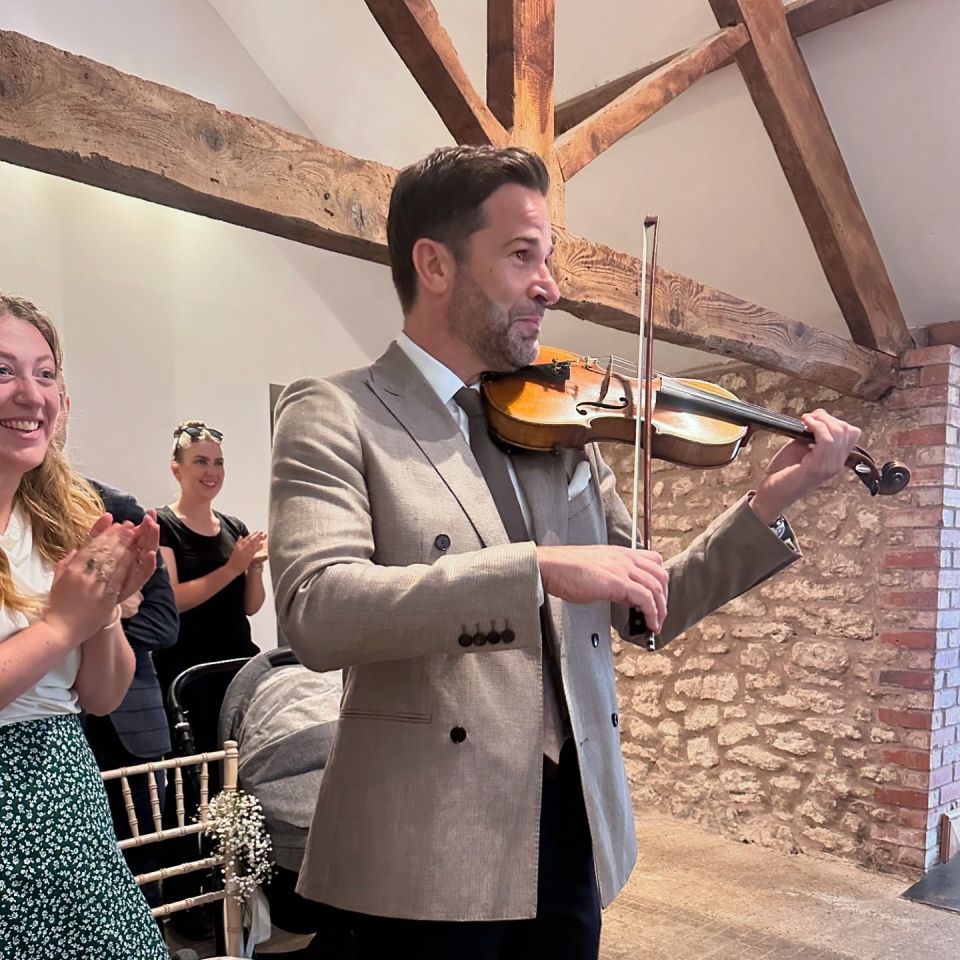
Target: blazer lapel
406, 394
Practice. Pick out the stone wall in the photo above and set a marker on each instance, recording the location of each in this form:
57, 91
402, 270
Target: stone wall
818, 713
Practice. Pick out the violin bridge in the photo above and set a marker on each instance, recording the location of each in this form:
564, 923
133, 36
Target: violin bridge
605, 384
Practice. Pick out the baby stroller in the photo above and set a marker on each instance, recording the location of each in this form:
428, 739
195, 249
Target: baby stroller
284, 718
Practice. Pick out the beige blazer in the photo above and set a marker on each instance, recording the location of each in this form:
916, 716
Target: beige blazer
385, 549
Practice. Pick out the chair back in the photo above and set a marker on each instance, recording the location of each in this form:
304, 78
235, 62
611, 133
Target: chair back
175, 767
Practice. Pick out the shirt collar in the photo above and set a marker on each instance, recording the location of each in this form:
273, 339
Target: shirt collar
443, 381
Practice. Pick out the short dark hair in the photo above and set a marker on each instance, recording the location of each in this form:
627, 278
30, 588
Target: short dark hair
441, 196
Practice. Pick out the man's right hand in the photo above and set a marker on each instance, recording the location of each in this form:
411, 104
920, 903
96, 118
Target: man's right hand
586, 574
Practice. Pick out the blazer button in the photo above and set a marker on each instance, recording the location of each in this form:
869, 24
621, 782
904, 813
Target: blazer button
442, 542
614, 719
479, 639
458, 734
465, 639
507, 636
595, 639
493, 636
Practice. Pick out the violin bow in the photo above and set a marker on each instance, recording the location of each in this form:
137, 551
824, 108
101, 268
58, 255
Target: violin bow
644, 440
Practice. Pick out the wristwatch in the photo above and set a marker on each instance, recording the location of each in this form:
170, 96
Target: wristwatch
779, 526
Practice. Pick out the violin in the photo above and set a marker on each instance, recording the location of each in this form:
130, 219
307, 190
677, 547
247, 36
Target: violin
566, 400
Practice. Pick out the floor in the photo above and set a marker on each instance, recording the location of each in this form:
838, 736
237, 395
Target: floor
697, 896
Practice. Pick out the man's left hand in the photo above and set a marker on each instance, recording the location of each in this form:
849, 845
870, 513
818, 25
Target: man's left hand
799, 467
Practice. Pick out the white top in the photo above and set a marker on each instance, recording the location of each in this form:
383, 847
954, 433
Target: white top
54, 694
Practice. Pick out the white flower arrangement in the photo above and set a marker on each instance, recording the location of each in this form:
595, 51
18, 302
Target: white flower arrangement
239, 835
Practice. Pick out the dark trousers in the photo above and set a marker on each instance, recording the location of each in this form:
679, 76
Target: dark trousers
295, 914
110, 753
567, 924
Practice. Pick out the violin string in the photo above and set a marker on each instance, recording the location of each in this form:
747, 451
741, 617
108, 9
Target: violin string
626, 368
735, 408
676, 388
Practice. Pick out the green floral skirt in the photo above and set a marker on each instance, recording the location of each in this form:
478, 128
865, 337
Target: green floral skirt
65, 890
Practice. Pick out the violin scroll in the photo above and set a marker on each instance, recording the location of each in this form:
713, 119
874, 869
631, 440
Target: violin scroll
894, 476
891, 478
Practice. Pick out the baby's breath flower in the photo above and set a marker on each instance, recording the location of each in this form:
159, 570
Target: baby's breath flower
239, 835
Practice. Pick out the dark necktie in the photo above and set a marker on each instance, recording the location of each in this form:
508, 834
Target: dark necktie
493, 465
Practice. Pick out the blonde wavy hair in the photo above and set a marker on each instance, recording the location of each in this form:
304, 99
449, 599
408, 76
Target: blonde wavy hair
59, 503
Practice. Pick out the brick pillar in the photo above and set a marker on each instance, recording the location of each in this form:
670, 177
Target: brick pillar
918, 616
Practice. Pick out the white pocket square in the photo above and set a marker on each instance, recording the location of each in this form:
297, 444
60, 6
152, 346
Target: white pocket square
580, 479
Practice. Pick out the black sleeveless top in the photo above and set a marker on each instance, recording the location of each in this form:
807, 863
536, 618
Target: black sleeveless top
216, 629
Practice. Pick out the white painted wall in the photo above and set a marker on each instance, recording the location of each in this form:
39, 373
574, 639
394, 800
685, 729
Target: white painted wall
167, 315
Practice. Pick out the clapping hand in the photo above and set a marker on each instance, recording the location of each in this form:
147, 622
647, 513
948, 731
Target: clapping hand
248, 550
112, 565
146, 542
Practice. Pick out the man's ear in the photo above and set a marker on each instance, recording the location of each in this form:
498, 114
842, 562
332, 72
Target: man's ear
435, 266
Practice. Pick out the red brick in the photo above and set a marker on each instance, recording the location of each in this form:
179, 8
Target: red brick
912, 857
910, 600
901, 836
912, 719
911, 639
926, 476
911, 679
916, 799
918, 397
934, 434
918, 819
928, 356
912, 759
914, 517
926, 559
936, 373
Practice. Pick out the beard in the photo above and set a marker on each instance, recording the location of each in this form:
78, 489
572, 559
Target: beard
489, 331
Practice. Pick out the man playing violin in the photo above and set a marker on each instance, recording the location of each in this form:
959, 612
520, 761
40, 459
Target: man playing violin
475, 804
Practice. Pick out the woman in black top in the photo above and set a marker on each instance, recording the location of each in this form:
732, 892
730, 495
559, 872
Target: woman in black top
216, 571
215, 563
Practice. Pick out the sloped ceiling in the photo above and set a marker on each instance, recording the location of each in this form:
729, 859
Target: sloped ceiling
889, 79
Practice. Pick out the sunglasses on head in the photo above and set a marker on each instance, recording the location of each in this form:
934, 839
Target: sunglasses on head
196, 432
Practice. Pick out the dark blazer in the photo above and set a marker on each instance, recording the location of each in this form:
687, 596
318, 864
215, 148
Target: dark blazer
140, 721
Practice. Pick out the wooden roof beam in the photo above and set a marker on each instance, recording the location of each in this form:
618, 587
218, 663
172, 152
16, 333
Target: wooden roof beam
586, 141
75, 118
520, 69
784, 94
803, 16
520, 62
415, 32
601, 284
